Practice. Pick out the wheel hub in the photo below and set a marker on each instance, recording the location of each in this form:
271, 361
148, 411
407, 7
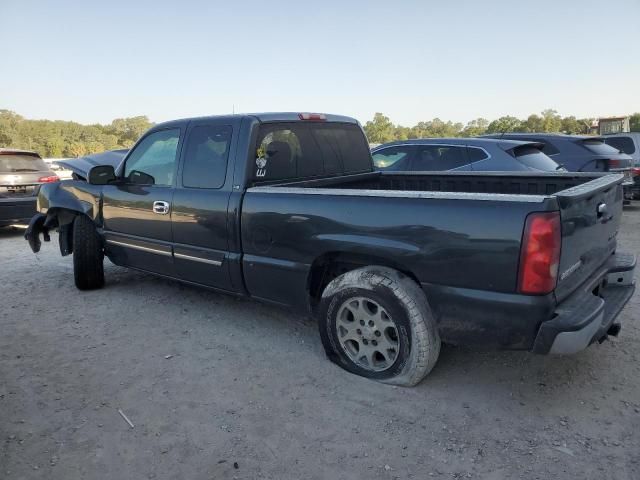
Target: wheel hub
367, 334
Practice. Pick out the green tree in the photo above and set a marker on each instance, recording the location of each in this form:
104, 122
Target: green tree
128, 130
380, 129
533, 123
551, 121
475, 127
572, 125
54, 147
505, 125
634, 122
75, 150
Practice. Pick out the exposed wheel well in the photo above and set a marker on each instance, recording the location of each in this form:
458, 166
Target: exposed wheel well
62, 219
333, 264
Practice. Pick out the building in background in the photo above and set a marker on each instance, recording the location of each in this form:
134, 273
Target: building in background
608, 125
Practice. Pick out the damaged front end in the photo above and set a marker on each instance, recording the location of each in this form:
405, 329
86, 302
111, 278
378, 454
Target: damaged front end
58, 205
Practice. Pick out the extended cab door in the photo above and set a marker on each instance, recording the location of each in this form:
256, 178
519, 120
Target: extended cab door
200, 203
137, 210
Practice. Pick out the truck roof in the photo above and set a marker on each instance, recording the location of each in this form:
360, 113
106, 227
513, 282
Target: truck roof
264, 117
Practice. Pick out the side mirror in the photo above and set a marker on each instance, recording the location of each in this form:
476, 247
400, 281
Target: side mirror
102, 175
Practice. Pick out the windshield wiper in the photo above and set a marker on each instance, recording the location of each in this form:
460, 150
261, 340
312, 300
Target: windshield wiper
560, 167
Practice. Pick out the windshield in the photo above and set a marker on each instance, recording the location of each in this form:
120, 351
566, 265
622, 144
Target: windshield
532, 157
599, 147
21, 163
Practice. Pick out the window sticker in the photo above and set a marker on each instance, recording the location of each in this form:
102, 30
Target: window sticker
261, 162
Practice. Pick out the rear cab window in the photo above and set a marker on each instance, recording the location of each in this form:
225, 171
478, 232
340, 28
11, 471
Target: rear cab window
21, 162
295, 150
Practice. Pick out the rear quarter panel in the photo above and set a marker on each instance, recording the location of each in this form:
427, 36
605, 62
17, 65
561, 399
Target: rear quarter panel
467, 243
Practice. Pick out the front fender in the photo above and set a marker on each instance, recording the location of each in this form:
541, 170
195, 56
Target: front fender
73, 195
58, 204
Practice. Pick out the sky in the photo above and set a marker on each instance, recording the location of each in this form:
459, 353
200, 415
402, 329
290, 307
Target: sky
412, 60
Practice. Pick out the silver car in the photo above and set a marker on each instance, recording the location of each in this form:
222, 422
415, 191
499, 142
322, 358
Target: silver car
21, 174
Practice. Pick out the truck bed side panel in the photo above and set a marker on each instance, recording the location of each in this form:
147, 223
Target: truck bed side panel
459, 243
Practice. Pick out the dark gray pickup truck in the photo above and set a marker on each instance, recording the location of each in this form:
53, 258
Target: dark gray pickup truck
287, 208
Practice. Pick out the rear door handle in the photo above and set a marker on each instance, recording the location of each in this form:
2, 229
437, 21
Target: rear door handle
160, 207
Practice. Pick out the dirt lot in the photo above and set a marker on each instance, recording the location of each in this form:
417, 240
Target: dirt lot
223, 388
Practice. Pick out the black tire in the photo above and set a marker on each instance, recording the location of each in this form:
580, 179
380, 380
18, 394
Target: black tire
414, 336
88, 255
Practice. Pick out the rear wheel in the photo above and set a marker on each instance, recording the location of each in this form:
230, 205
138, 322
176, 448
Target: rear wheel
376, 322
88, 256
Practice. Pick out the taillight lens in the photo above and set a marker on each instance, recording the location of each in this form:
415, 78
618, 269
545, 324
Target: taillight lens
613, 163
48, 179
540, 254
635, 171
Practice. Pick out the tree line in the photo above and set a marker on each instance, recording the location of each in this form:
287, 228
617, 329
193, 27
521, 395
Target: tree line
381, 129
57, 138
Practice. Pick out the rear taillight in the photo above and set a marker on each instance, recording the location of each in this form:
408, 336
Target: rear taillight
635, 171
540, 254
48, 179
613, 163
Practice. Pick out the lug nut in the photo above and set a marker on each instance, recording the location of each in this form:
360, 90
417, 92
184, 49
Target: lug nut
362, 322
374, 343
371, 324
359, 332
365, 341
377, 333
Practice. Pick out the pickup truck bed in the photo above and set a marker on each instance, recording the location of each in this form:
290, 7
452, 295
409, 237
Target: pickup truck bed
465, 257
514, 261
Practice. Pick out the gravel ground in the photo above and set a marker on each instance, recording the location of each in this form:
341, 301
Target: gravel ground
222, 388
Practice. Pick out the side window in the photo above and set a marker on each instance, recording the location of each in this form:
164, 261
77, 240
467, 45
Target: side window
392, 159
476, 154
624, 144
439, 157
206, 154
153, 161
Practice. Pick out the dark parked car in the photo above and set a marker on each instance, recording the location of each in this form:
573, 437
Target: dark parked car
287, 208
462, 154
21, 174
580, 153
628, 143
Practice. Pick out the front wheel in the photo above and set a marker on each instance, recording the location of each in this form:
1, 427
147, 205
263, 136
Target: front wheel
88, 256
376, 322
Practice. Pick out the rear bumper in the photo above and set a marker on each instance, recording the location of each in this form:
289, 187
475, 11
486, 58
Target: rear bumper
590, 312
16, 210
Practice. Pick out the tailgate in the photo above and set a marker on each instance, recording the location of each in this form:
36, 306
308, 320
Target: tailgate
590, 215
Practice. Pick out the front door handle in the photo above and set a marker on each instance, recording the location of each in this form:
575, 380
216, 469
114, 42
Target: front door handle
160, 207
